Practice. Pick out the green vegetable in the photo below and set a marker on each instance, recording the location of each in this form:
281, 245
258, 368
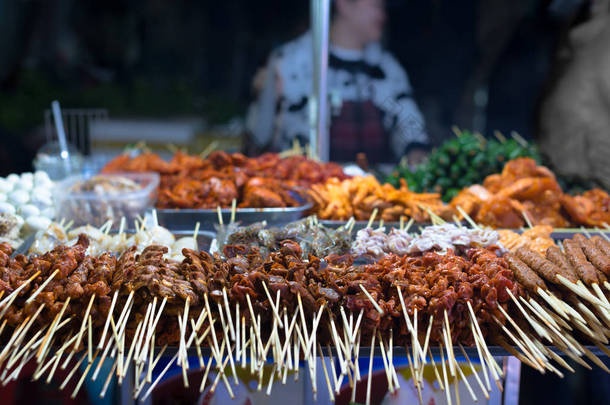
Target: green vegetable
460, 162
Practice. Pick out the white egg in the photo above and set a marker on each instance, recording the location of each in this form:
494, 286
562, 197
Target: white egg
42, 199
23, 184
5, 186
48, 212
12, 178
19, 197
27, 176
41, 176
29, 210
7, 208
38, 223
42, 183
3, 197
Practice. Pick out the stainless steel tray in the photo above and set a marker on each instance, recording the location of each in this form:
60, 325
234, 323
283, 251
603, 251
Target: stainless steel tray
185, 219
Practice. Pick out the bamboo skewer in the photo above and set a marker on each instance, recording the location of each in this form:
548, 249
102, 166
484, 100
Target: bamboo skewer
8, 300
445, 379
474, 371
370, 374
42, 287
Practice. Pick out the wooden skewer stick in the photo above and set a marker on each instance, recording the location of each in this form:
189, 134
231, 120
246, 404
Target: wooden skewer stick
153, 326
219, 212
370, 297
409, 224
427, 339
540, 358
370, 374
529, 358
43, 348
554, 356
107, 323
233, 209
226, 336
41, 287
274, 309
228, 310
447, 390
537, 327
205, 374
82, 379
415, 381
449, 344
468, 387
436, 373
406, 316
154, 384
84, 323
474, 371
580, 290
388, 373
481, 358
8, 300
333, 370
467, 217
557, 335
331, 395
69, 376
372, 218
476, 326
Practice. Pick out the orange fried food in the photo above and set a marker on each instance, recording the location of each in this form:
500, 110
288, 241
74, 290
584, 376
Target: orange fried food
523, 189
501, 212
591, 208
192, 182
358, 197
537, 238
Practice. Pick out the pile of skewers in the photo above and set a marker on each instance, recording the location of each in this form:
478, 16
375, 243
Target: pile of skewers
243, 307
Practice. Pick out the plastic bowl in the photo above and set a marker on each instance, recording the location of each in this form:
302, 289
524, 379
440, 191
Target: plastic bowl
96, 207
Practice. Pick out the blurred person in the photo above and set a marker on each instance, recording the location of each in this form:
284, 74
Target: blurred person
371, 100
575, 116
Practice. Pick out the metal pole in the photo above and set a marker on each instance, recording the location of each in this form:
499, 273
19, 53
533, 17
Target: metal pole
320, 12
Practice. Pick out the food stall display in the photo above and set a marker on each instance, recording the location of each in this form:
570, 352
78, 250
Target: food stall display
92, 289
241, 306
460, 162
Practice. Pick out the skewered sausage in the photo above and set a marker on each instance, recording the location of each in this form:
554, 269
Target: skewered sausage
555, 255
579, 261
595, 256
543, 267
523, 273
602, 244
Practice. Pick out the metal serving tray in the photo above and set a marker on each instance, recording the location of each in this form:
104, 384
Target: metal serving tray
185, 219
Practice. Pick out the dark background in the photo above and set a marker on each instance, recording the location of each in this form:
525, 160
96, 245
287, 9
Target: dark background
168, 58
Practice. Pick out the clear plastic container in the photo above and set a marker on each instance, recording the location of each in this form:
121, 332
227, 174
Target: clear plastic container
95, 200
48, 159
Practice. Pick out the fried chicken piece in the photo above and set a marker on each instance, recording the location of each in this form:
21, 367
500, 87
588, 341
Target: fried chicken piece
590, 209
